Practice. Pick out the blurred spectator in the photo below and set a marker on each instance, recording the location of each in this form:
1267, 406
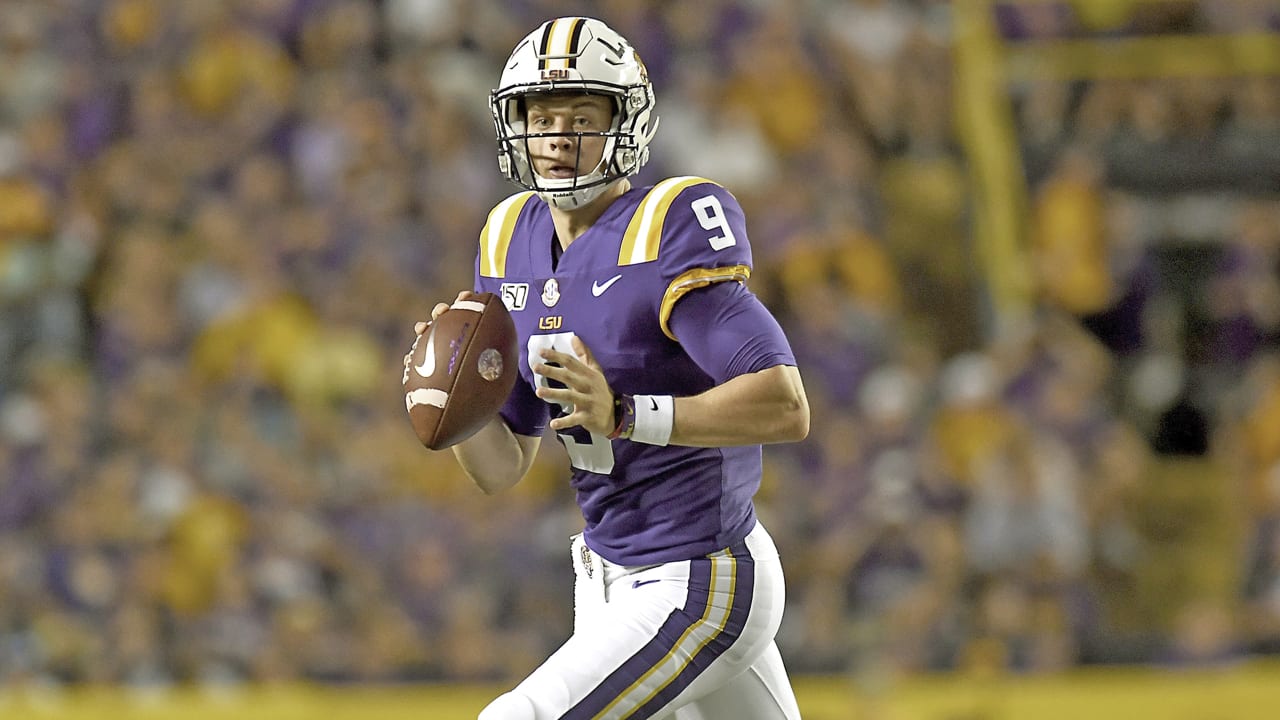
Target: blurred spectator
218, 222
1067, 237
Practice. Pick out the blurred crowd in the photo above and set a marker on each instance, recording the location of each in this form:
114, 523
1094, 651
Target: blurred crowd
220, 220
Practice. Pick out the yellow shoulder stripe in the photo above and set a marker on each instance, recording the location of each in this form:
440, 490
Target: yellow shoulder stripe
644, 233
692, 280
495, 238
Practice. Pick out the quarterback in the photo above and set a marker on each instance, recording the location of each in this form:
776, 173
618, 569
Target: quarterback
662, 375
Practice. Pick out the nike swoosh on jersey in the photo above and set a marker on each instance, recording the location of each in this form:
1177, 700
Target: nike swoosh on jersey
654, 402
598, 288
638, 583
428, 366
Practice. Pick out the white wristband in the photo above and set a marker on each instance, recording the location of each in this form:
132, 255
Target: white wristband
655, 414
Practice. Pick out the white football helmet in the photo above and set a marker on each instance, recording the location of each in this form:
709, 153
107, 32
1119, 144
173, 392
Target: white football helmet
575, 54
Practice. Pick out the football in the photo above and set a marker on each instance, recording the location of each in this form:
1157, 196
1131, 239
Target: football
460, 371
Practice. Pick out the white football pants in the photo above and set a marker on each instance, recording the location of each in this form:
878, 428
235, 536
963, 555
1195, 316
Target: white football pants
689, 640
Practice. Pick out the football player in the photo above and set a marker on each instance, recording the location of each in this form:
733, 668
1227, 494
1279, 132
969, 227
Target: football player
662, 375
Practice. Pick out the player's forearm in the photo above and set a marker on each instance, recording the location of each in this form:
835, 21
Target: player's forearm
494, 458
769, 406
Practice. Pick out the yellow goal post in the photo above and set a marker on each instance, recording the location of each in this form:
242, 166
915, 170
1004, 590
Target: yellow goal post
985, 67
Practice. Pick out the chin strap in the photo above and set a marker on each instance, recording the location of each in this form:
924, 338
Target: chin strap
575, 199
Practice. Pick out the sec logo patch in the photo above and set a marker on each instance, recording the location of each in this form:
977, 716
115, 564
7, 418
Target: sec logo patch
551, 292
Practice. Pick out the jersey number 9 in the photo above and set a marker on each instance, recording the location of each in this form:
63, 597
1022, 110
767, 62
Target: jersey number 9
711, 217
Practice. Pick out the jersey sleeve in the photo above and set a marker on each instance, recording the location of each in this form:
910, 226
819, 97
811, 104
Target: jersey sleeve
728, 332
703, 242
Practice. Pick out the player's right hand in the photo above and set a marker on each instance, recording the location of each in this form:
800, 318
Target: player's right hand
585, 391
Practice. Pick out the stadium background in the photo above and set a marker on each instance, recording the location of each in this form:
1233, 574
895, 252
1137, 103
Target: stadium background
1027, 253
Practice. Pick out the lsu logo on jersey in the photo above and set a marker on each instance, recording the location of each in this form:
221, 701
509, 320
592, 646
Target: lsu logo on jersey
514, 295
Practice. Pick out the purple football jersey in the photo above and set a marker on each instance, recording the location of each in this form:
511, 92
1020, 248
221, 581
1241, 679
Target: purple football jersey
615, 287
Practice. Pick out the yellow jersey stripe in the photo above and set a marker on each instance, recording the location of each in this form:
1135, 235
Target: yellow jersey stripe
692, 280
495, 238
641, 241
724, 569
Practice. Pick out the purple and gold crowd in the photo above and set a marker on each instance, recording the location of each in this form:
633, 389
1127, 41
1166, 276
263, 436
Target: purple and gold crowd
220, 220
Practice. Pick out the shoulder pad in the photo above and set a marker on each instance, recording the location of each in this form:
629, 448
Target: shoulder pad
644, 233
495, 238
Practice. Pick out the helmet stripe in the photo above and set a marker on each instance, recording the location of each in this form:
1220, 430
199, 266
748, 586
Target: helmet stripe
558, 43
547, 27
574, 37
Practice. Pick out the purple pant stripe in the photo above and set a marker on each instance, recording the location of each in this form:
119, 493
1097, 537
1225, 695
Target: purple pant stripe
734, 625
656, 650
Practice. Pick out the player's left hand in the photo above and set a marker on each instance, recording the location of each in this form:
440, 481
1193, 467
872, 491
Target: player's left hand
586, 389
